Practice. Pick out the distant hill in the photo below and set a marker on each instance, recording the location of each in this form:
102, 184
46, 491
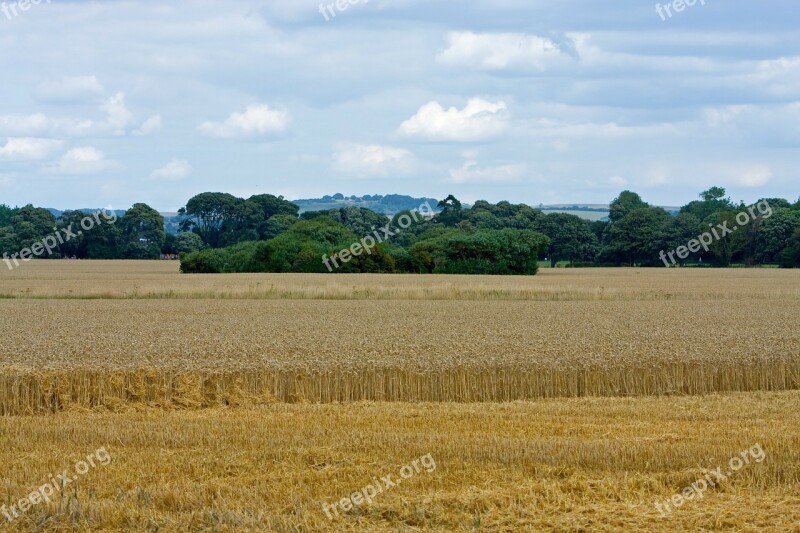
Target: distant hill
389, 205
57, 213
591, 212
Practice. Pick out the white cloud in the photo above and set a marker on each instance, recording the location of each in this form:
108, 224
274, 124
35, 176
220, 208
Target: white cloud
619, 181
471, 172
500, 51
559, 129
369, 160
119, 118
480, 119
83, 160
25, 125
69, 90
257, 120
151, 125
657, 176
174, 170
721, 116
116, 122
28, 149
755, 176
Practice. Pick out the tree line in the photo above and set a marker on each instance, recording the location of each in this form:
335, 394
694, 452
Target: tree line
137, 234
501, 238
220, 232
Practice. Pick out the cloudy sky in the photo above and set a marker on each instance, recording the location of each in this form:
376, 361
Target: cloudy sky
535, 101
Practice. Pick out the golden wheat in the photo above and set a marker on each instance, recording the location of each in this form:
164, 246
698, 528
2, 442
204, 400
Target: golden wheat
551, 465
237, 403
187, 351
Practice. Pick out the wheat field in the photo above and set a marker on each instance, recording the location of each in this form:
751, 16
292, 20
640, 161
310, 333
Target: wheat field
568, 401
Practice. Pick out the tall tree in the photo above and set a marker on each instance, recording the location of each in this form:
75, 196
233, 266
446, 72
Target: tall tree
637, 237
274, 205
774, 234
451, 213
142, 232
32, 224
624, 204
571, 238
711, 201
206, 215
6, 214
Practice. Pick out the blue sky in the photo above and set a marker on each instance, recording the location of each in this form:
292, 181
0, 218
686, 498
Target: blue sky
110, 103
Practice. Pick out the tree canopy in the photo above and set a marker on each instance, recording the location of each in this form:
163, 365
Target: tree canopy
224, 233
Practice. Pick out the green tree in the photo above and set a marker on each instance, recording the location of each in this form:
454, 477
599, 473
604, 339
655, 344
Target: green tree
274, 205
624, 204
8, 240
727, 244
276, 225
637, 237
451, 213
359, 220
303, 247
711, 201
6, 214
506, 251
188, 242
75, 244
206, 215
790, 256
678, 232
571, 238
774, 234
32, 224
142, 233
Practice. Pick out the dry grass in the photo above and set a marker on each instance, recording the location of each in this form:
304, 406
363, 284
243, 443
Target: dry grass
160, 280
566, 465
92, 352
236, 403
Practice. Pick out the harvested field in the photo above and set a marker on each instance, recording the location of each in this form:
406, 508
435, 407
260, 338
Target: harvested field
549, 465
571, 401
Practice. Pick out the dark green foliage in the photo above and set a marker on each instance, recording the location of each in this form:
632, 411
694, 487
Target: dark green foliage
237, 258
680, 230
774, 234
31, 225
223, 233
790, 256
274, 205
188, 243
484, 215
358, 220
6, 214
506, 251
452, 212
712, 201
637, 237
571, 238
141, 233
624, 204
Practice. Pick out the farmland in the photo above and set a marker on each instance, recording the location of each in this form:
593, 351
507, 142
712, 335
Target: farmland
570, 400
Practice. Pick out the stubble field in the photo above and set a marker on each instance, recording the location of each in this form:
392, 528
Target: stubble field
572, 400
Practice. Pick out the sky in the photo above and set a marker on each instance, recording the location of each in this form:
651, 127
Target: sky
531, 101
